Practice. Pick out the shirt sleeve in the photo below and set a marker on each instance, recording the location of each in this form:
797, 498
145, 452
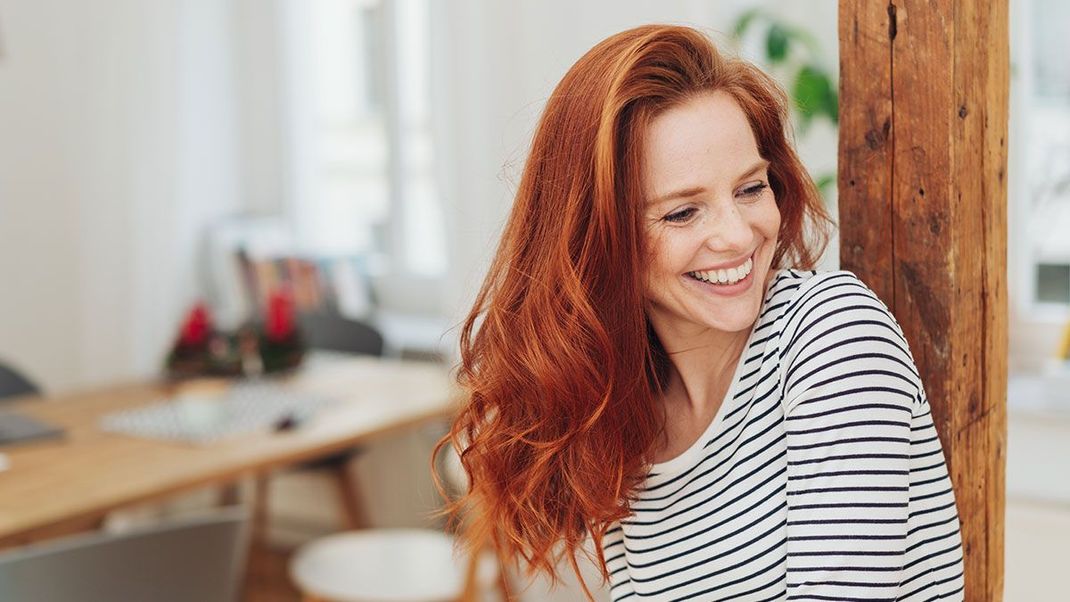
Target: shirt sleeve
854, 405
620, 584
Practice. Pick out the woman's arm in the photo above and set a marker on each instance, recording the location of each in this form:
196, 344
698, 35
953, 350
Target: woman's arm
871, 515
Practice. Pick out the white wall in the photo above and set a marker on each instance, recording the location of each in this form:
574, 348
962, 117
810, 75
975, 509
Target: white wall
119, 141
38, 225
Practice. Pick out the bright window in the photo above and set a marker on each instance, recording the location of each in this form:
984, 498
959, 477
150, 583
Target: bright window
1040, 154
363, 160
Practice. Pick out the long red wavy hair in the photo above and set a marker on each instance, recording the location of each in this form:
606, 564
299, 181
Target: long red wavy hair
560, 366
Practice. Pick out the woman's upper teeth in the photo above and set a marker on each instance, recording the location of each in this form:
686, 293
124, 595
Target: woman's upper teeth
726, 276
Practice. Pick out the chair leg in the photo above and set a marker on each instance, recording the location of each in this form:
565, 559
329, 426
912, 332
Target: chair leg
260, 511
349, 494
258, 530
230, 494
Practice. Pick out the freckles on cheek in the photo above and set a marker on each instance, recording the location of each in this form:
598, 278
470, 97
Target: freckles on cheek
661, 268
657, 251
655, 246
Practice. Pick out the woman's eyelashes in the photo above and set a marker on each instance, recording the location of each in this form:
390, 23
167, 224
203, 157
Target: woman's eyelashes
749, 192
681, 216
754, 189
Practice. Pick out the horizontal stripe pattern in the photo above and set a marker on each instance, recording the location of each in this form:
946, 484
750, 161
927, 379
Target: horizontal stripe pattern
820, 478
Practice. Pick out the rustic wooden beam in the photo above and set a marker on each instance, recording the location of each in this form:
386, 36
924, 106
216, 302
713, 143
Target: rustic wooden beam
923, 206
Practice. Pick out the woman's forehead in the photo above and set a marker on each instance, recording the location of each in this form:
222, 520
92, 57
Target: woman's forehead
703, 141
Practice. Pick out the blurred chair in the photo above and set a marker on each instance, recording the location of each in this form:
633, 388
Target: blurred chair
400, 565
179, 561
13, 384
330, 332
251, 257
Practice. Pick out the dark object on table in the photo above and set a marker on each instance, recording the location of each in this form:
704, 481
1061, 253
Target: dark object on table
267, 345
200, 350
16, 428
14, 384
288, 422
281, 344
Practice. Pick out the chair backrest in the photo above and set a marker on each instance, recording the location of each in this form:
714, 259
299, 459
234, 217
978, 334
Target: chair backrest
192, 559
13, 384
332, 332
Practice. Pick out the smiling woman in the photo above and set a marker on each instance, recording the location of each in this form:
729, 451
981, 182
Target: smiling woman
651, 363
710, 248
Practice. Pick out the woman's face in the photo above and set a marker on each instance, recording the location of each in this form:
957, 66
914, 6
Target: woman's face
711, 219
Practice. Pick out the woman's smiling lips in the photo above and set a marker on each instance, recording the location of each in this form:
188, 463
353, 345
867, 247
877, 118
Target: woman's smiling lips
728, 271
735, 263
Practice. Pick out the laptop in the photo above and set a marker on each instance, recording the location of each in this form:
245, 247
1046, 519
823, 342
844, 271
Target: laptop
16, 428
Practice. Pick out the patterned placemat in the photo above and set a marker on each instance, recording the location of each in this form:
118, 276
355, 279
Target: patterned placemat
245, 407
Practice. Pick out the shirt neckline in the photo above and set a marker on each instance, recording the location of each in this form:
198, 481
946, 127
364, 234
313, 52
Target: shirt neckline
686, 457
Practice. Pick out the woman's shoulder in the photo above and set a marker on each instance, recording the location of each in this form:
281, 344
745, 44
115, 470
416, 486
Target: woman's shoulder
790, 287
800, 287
835, 305
805, 280
803, 297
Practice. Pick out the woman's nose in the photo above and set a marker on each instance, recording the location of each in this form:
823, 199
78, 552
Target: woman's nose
728, 230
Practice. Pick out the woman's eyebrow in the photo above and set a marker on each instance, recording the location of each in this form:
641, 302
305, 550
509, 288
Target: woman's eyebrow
758, 166
695, 190
679, 194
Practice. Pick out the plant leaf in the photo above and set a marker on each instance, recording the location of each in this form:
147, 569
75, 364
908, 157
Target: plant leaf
814, 95
807, 90
744, 21
776, 44
825, 181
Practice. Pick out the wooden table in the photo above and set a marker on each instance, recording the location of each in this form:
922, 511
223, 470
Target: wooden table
55, 486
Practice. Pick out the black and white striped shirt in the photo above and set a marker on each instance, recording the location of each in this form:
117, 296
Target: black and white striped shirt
820, 478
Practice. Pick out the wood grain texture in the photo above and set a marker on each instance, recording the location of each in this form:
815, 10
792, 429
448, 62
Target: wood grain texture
865, 156
938, 236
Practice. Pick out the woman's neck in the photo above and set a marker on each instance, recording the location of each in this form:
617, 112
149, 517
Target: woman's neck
702, 370
699, 378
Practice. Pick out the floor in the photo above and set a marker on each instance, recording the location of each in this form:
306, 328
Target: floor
1037, 530
1036, 539
266, 579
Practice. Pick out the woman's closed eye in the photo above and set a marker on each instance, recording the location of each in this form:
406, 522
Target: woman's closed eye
753, 190
681, 216
687, 213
